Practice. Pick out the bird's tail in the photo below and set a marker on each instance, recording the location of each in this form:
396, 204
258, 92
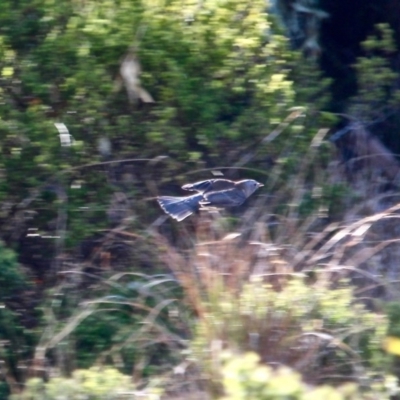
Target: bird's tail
180, 208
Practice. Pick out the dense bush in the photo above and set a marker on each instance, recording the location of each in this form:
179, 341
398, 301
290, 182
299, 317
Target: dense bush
220, 74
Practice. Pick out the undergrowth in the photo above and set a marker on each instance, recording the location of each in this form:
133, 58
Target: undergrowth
282, 283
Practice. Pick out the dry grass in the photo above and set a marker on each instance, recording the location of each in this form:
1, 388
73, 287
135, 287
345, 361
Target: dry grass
295, 288
290, 305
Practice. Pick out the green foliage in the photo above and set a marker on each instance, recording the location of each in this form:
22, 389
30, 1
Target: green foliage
277, 324
245, 378
393, 313
227, 71
221, 77
16, 341
92, 384
11, 277
95, 336
376, 78
123, 320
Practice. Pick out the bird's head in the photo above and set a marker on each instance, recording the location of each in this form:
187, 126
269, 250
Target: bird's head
249, 186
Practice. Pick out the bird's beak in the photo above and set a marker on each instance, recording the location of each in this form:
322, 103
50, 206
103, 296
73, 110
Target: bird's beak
260, 184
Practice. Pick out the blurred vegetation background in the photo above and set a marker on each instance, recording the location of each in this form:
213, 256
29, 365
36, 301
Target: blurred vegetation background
104, 105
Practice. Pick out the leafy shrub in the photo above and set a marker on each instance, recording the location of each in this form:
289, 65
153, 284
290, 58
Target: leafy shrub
245, 378
320, 331
90, 384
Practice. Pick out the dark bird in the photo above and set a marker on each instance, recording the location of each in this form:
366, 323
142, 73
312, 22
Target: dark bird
211, 193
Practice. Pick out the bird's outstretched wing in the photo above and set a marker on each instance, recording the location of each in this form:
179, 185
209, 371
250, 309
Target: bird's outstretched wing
198, 186
210, 185
224, 198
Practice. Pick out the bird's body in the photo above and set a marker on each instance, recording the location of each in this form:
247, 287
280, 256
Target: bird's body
210, 193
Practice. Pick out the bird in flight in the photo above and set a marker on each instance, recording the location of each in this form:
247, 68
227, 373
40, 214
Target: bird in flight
210, 193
